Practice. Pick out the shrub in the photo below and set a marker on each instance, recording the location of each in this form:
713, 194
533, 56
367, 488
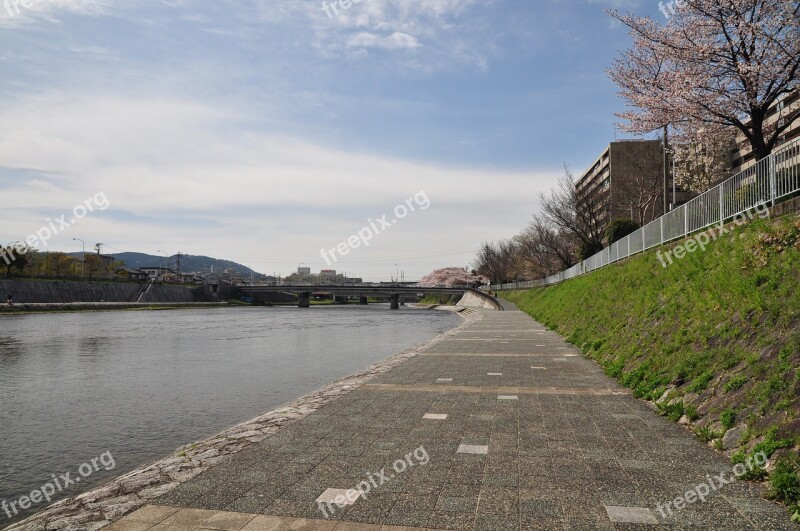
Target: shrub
691, 413
727, 418
619, 228
735, 383
701, 382
784, 482
672, 411
705, 434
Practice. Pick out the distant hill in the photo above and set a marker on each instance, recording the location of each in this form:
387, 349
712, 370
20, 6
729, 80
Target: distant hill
189, 263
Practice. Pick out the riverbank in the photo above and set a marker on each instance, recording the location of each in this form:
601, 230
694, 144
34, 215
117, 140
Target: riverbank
98, 507
712, 340
501, 426
23, 290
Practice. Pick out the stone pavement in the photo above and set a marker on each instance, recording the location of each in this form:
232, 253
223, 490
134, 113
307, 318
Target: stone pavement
501, 426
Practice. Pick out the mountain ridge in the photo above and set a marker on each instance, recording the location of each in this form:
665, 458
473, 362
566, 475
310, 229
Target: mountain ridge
188, 263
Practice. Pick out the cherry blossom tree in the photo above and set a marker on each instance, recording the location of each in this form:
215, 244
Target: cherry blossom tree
449, 277
701, 157
718, 62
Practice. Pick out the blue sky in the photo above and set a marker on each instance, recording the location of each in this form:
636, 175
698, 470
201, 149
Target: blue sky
264, 131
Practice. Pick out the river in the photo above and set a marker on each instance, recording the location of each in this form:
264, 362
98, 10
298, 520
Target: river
135, 385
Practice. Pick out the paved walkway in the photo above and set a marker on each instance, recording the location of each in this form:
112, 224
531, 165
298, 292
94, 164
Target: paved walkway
501, 426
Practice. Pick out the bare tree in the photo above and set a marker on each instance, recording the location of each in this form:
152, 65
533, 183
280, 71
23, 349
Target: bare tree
496, 261
580, 216
543, 249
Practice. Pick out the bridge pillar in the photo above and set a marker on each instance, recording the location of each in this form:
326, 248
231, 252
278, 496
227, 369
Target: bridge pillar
395, 302
364, 301
303, 300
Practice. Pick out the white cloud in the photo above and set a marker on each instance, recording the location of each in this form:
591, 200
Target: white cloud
443, 30
395, 41
206, 180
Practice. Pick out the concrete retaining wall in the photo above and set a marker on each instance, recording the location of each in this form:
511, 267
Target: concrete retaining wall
787, 207
476, 299
41, 291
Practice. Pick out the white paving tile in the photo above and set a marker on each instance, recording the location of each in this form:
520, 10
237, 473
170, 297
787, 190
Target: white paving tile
494, 374
444, 380
630, 515
435, 416
507, 397
475, 449
539, 368
340, 497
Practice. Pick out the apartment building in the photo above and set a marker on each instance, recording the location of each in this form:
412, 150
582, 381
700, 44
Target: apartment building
627, 181
788, 108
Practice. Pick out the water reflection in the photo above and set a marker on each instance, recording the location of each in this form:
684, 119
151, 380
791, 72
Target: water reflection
140, 384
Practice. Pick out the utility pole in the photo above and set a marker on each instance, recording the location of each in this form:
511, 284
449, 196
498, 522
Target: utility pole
666, 168
164, 272
83, 256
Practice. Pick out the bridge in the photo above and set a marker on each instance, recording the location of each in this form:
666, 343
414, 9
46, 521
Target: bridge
363, 292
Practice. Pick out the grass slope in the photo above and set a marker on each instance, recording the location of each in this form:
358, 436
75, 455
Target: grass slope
713, 339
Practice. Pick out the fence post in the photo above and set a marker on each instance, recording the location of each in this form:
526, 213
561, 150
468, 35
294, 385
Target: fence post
662, 229
773, 179
721, 205
686, 220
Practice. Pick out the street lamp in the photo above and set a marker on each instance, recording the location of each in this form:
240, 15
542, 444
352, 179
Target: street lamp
83, 256
396, 273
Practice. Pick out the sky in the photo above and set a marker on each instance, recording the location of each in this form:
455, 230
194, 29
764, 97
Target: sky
265, 131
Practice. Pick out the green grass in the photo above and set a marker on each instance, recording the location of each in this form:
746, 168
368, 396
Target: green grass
785, 482
719, 328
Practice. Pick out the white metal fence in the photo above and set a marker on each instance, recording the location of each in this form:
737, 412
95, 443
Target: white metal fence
767, 182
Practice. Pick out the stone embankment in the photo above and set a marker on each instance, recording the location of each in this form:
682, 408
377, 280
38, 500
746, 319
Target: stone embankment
67, 291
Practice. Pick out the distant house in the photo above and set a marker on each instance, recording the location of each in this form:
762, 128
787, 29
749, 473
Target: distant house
134, 275
178, 277
156, 273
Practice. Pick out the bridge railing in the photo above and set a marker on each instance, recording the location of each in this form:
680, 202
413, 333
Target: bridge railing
771, 179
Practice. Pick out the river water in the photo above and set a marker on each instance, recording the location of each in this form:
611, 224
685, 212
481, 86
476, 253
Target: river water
134, 386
